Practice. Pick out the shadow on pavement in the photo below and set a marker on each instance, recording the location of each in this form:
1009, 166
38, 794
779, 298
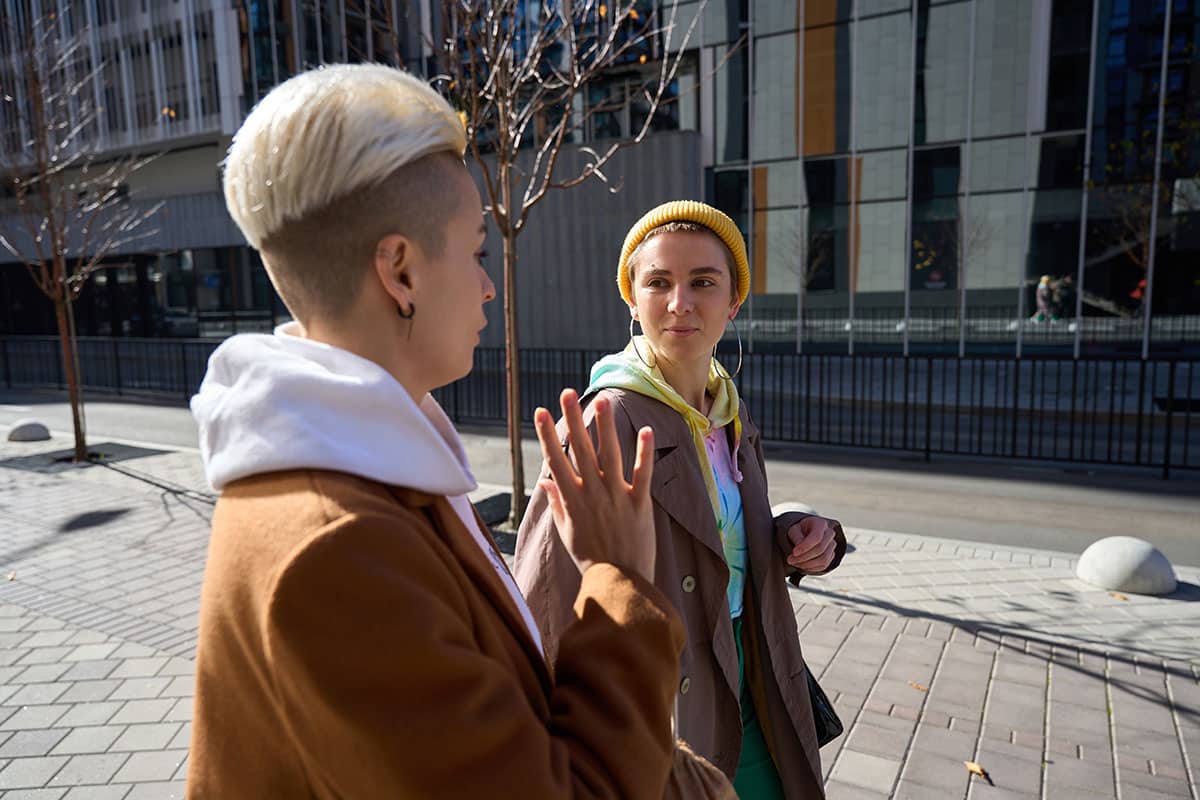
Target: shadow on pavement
91, 519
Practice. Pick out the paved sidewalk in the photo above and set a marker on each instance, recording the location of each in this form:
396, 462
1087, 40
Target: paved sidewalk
936, 652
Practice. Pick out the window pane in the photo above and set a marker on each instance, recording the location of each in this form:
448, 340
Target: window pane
883, 80
775, 97
943, 38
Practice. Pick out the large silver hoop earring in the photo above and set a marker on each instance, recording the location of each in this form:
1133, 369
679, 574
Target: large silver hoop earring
633, 342
716, 364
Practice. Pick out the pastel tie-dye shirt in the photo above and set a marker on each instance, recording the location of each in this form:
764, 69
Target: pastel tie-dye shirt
730, 524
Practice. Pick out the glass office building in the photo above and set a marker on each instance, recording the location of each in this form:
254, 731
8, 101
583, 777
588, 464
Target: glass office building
906, 171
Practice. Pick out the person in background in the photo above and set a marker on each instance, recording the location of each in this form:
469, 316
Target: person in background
743, 698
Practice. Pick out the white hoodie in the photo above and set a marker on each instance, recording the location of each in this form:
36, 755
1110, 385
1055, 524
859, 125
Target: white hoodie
282, 402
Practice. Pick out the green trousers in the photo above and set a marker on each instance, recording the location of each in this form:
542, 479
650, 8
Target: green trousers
756, 778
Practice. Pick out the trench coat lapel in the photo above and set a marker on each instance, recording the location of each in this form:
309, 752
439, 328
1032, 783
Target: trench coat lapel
678, 486
480, 570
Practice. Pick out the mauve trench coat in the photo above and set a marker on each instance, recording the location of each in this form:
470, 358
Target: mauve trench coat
692, 573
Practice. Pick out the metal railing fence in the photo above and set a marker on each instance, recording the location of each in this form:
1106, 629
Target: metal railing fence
1126, 412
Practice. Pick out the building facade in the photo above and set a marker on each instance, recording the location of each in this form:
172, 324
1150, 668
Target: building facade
905, 171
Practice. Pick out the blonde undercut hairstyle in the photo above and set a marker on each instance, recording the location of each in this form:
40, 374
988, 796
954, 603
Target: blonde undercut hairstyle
331, 161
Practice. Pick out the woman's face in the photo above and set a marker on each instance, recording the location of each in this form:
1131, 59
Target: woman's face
455, 288
683, 295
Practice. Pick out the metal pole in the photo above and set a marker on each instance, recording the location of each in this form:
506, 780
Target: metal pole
1026, 223
750, 162
1087, 171
908, 200
802, 197
852, 267
965, 228
1148, 299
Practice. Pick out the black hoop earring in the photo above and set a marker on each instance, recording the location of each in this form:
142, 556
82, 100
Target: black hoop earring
412, 310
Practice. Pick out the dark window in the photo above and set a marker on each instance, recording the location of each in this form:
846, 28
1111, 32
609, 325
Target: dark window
1070, 41
1061, 162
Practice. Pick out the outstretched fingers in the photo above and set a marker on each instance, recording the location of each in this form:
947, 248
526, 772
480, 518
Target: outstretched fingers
610, 448
643, 466
578, 438
556, 460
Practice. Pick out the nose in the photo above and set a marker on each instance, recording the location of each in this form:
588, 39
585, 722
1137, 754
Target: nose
680, 301
489, 288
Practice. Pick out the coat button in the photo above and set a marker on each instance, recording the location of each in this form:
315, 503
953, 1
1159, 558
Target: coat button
689, 584
685, 685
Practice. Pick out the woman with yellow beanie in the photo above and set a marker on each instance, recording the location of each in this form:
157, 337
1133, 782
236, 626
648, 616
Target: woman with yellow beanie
743, 701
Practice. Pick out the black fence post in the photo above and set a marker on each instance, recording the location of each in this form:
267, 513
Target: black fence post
116, 357
183, 370
928, 409
7, 367
1166, 473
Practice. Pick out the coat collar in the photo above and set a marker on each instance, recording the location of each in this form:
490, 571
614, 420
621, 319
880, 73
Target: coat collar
477, 566
677, 481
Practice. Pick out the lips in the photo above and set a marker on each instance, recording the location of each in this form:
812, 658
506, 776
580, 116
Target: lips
682, 331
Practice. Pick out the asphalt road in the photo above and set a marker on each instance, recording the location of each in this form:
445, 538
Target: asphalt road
1020, 504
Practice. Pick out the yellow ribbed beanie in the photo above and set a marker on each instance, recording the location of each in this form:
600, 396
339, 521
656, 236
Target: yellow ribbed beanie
687, 211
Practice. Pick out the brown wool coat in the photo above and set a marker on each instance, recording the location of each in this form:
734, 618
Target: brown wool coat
691, 571
356, 643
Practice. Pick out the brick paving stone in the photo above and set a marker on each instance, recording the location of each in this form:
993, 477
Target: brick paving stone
31, 743
877, 741
89, 691
86, 740
91, 652
85, 714
37, 694
139, 667
89, 769
40, 673
140, 689
91, 670
835, 790
112, 791
182, 737
867, 771
30, 773
34, 794
151, 736
135, 711
34, 717
156, 766
156, 791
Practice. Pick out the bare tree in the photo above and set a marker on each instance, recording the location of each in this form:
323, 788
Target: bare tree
518, 71
1126, 201
73, 207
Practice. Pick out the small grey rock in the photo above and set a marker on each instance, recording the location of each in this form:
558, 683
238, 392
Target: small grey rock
28, 430
1126, 564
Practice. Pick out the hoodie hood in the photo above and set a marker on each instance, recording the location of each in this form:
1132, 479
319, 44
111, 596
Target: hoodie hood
272, 402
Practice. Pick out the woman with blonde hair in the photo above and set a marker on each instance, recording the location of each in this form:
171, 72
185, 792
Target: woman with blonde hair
743, 699
360, 635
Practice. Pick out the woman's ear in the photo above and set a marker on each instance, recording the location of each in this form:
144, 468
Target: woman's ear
633, 311
733, 312
394, 255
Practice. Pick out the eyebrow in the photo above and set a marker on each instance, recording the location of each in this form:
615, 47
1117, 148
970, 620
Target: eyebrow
657, 271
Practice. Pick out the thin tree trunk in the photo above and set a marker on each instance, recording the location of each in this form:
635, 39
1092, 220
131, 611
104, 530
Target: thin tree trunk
512, 372
70, 372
